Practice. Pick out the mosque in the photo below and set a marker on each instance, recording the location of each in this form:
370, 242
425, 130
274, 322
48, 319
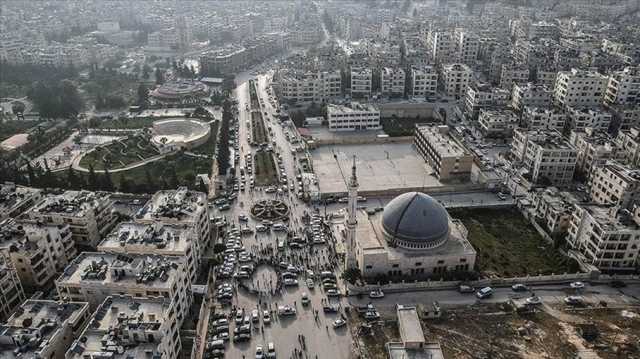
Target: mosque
413, 237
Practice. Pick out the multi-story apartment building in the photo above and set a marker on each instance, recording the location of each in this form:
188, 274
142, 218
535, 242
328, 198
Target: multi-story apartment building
360, 82
529, 94
352, 117
467, 46
597, 118
228, 59
128, 327
392, 81
554, 207
11, 291
579, 88
37, 251
625, 116
480, 95
441, 47
615, 184
160, 239
535, 118
14, 200
180, 206
545, 155
594, 149
624, 87
455, 78
42, 329
319, 86
93, 276
628, 142
424, 81
513, 73
605, 236
449, 159
497, 122
88, 214
546, 75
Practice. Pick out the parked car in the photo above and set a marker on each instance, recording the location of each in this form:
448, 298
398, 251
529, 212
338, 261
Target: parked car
576, 285
485, 292
519, 287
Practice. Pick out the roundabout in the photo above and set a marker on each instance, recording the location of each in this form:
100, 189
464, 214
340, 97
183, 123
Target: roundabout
270, 209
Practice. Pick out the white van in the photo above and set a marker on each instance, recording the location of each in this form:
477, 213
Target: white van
485, 292
281, 244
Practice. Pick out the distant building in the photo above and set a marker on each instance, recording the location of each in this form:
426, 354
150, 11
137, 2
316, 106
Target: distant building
497, 123
320, 86
14, 200
441, 47
512, 74
89, 215
467, 46
606, 237
42, 329
424, 81
11, 291
449, 159
579, 88
545, 155
480, 95
37, 251
580, 118
594, 149
553, 207
352, 117
412, 339
360, 82
455, 79
615, 184
392, 81
628, 142
536, 118
624, 87
129, 327
531, 95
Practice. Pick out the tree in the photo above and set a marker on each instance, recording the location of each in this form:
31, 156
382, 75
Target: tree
159, 76
93, 183
351, 275
151, 185
73, 181
31, 174
107, 184
124, 186
146, 71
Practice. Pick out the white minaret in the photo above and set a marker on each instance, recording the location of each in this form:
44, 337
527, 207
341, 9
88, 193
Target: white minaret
350, 260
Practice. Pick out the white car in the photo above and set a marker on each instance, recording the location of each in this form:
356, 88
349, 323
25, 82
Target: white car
576, 285
339, 323
271, 350
259, 352
266, 317
376, 294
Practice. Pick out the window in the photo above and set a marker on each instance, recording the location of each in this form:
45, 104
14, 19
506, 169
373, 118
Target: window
395, 265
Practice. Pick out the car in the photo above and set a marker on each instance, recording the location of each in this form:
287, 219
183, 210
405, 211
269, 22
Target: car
333, 293
485, 292
243, 218
534, 300
224, 207
261, 228
310, 283
266, 317
255, 317
305, 299
286, 310
339, 323
239, 316
371, 315
289, 282
574, 300
519, 287
271, 350
243, 337
502, 196
464, 288
576, 285
259, 352
375, 294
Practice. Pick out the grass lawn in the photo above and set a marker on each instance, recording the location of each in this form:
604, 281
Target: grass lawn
126, 123
508, 245
258, 132
209, 147
9, 128
185, 169
396, 127
266, 174
120, 153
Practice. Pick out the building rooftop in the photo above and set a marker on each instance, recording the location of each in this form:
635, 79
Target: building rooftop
23, 235
161, 237
123, 327
610, 218
442, 141
409, 324
119, 269
626, 173
177, 205
34, 325
12, 196
71, 203
351, 107
548, 140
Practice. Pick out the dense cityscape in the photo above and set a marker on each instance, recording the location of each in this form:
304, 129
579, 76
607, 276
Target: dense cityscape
320, 179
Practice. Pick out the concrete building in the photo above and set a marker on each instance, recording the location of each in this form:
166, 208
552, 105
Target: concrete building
37, 251
229, 59
553, 207
511, 74
14, 200
392, 81
580, 118
545, 156
158, 239
42, 329
360, 82
481, 95
546, 75
88, 214
455, 78
579, 88
424, 81
180, 206
467, 46
412, 340
441, 47
353, 117
93, 276
11, 292
449, 159
615, 184
628, 142
594, 149
532, 95
605, 237
625, 116
624, 87
317, 86
126, 327
413, 238
535, 118
497, 122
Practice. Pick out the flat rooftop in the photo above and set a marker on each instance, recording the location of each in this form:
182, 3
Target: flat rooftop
609, 220
409, 324
36, 317
160, 237
25, 234
71, 203
429, 351
124, 270
12, 196
442, 141
178, 205
350, 108
124, 316
380, 167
